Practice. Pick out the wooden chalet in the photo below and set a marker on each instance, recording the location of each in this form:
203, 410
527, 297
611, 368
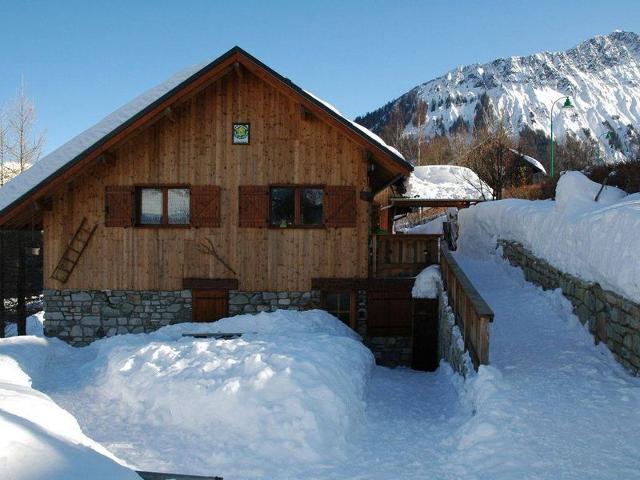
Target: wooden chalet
228, 190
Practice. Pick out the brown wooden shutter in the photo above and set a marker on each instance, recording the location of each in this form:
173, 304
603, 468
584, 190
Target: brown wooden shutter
119, 206
205, 206
340, 206
254, 206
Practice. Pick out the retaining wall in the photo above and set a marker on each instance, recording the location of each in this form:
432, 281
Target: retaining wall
611, 318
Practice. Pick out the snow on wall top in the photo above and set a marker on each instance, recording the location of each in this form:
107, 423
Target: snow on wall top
595, 241
64, 155
446, 182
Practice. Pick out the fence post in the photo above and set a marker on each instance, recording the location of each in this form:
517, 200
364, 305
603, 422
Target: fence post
21, 321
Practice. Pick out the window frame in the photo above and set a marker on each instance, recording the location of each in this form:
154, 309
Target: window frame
164, 221
353, 305
297, 207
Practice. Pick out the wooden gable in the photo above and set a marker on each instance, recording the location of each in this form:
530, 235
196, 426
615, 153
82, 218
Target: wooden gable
20, 213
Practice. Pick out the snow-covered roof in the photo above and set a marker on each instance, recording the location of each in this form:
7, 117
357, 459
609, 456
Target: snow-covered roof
535, 163
66, 155
364, 130
446, 182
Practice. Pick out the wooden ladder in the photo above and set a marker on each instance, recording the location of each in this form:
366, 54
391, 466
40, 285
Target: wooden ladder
74, 251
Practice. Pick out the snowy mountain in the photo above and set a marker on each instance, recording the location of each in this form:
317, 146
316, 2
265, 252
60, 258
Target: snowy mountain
601, 75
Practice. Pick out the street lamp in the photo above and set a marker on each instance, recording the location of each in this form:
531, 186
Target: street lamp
567, 104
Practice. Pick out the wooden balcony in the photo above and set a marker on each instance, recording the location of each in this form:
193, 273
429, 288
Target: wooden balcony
399, 255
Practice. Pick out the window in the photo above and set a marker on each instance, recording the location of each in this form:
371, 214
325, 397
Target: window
296, 206
164, 206
341, 305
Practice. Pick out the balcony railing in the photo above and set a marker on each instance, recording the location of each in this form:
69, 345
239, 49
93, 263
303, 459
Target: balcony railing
402, 255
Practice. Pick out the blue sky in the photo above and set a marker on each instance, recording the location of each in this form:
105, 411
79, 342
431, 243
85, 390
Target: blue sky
81, 60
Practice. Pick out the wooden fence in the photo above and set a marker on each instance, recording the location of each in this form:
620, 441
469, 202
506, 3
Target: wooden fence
473, 315
399, 255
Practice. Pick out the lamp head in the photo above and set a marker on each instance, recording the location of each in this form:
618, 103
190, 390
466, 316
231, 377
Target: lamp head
567, 103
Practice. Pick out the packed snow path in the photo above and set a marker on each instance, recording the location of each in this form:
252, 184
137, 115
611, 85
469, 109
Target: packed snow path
551, 405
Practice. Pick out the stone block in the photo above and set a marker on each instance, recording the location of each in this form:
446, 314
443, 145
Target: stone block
239, 299
107, 311
91, 320
80, 297
175, 308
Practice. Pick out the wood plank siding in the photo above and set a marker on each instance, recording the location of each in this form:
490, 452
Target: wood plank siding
192, 146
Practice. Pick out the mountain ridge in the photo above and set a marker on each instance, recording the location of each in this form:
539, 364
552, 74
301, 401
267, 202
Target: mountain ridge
601, 75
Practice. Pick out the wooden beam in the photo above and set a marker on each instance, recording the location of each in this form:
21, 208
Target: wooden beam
306, 114
211, 283
170, 114
107, 159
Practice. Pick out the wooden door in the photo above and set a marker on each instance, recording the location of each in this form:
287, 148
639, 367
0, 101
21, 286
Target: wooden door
389, 313
210, 305
425, 335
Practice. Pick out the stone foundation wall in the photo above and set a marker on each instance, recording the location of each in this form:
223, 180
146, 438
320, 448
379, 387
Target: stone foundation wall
611, 318
450, 341
82, 316
255, 302
391, 351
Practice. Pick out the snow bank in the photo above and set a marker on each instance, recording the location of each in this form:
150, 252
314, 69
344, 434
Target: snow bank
38, 438
446, 182
427, 282
596, 241
34, 326
292, 386
432, 227
290, 391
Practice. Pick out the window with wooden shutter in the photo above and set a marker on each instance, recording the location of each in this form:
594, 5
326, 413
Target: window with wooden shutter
340, 206
119, 202
205, 206
254, 206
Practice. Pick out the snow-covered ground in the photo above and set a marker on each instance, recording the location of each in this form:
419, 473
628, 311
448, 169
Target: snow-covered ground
446, 182
34, 326
297, 396
38, 439
596, 241
552, 404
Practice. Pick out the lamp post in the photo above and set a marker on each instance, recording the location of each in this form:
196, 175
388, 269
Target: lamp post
567, 104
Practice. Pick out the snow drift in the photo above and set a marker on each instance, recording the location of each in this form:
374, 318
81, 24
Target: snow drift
427, 283
596, 241
288, 392
38, 438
